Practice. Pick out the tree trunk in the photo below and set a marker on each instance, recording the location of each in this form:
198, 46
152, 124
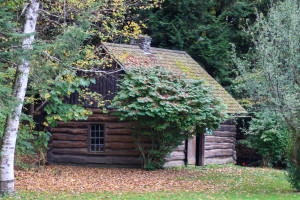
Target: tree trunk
7, 181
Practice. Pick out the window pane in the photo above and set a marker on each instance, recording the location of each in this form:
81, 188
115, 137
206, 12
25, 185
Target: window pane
96, 138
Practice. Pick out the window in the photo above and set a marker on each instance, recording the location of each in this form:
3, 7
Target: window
96, 141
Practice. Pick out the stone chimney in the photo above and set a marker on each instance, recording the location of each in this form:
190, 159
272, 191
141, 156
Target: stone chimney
143, 42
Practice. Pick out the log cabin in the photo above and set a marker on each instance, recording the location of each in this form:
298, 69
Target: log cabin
104, 140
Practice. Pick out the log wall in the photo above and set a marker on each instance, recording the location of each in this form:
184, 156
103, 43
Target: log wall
176, 158
69, 144
220, 145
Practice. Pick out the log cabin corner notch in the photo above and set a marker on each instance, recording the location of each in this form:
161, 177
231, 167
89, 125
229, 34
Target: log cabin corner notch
104, 140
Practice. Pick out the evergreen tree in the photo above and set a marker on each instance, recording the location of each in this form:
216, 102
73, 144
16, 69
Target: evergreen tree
205, 30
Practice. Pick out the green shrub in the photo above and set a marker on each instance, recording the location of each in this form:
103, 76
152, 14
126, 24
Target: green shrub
268, 138
166, 108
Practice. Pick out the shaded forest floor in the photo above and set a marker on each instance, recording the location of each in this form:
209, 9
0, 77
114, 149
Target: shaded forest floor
211, 182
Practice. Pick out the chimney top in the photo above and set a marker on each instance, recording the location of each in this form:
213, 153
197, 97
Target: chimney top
143, 42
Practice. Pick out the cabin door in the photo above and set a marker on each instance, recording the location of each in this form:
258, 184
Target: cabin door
200, 147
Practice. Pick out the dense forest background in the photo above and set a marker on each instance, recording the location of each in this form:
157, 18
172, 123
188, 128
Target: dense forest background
207, 30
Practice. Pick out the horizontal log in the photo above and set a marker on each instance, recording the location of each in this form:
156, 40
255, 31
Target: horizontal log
216, 139
218, 143
180, 147
175, 155
119, 138
121, 145
76, 159
72, 151
66, 144
72, 124
224, 127
121, 152
219, 146
113, 125
99, 115
102, 119
218, 152
69, 130
84, 151
100, 111
174, 163
71, 137
115, 160
224, 133
219, 161
119, 131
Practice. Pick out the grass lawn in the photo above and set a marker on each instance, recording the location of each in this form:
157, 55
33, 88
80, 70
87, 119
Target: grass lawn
211, 182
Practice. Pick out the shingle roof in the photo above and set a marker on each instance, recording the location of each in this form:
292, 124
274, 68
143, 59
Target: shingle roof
179, 61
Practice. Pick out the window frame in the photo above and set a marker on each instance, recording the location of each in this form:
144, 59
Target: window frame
89, 138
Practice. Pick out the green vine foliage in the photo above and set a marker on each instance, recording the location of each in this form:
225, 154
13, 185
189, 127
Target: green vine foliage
62, 87
166, 108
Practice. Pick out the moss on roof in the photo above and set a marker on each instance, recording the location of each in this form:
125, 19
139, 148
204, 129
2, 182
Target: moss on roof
178, 61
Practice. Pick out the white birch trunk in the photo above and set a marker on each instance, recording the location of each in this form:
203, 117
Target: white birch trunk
7, 152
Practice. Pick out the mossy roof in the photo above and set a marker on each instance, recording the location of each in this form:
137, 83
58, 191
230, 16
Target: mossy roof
178, 61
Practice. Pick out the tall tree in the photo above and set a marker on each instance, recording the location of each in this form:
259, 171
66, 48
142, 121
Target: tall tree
19, 90
271, 76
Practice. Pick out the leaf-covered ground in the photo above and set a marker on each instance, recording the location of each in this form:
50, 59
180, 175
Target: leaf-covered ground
218, 182
82, 179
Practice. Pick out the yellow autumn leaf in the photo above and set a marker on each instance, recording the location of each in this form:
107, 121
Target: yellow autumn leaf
47, 95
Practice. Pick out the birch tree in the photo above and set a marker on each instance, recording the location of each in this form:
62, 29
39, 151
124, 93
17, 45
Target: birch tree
7, 181
69, 32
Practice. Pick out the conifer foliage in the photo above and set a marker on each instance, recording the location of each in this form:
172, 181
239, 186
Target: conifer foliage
205, 30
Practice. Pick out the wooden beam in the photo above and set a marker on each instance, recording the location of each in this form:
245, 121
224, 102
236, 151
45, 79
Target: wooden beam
116, 125
224, 133
58, 158
100, 111
121, 145
65, 144
71, 137
84, 151
102, 119
219, 160
116, 160
176, 155
69, 130
218, 153
77, 151
211, 146
119, 138
215, 139
72, 124
119, 131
